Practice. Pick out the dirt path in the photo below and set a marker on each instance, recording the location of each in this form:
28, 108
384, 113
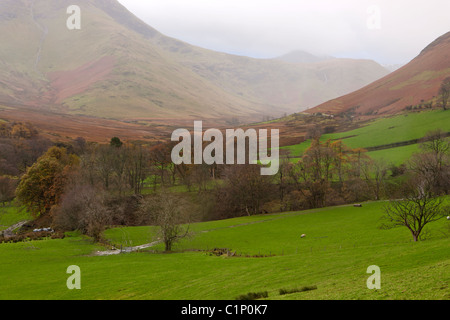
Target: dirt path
126, 249
10, 231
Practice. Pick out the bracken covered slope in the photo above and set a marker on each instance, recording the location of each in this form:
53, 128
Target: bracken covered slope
118, 67
416, 83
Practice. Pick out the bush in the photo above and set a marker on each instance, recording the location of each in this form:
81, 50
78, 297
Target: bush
398, 170
302, 289
253, 296
32, 236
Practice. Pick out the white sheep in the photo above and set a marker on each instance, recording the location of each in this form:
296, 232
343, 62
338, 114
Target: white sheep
303, 235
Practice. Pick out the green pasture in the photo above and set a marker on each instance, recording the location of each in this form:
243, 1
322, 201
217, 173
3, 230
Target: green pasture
383, 131
340, 244
11, 214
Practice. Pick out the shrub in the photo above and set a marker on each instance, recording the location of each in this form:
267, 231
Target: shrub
253, 296
294, 290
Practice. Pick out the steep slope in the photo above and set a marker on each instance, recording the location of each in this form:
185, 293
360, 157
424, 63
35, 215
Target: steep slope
413, 84
118, 67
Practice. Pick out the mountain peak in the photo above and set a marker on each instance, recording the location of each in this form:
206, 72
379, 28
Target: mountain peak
437, 43
119, 67
412, 85
123, 16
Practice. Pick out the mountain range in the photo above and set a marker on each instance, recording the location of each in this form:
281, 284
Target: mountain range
413, 85
118, 67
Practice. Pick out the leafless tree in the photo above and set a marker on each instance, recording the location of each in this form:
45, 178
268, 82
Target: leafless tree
415, 211
374, 173
137, 167
161, 162
7, 190
282, 180
200, 176
433, 163
311, 175
244, 190
83, 208
444, 92
171, 213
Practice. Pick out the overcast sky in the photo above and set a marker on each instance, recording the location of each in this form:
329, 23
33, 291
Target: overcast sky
388, 31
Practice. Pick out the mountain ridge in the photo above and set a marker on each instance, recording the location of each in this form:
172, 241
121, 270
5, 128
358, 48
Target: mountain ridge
119, 67
412, 85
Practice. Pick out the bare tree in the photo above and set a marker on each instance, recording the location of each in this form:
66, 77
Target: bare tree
433, 163
415, 211
137, 167
201, 175
311, 175
374, 173
7, 190
171, 213
161, 161
282, 179
83, 208
244, 191
444, 92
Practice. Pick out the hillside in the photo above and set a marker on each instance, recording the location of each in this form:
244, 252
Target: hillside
392, 139
414, 84
118, 67
334, 262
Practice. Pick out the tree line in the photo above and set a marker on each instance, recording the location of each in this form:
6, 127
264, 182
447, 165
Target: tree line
88, 186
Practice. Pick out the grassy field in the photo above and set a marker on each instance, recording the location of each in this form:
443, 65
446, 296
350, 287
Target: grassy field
340, 245
10, 215
269, 253
386, 131
395, 156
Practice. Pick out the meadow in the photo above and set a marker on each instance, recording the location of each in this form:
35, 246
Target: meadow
385, 131
340, 244
12, 214
267, 252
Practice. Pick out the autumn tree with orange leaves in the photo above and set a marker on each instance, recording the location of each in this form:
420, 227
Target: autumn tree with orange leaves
42, 186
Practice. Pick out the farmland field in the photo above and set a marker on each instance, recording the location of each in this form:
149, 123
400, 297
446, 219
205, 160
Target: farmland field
340, 244
10, 215
384, 131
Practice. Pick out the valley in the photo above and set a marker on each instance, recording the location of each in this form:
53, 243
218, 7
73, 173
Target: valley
115, 185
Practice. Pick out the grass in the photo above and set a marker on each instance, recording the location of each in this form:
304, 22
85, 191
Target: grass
341, 243
10, 215
395, 156
395, 129
384, 131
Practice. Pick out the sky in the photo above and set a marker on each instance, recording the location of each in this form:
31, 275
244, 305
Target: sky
387, 31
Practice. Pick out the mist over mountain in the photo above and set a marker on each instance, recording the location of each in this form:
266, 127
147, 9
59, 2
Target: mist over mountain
300, 56
119, 67
414, 84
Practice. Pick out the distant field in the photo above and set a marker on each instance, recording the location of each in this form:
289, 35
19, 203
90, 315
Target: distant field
10, 215
340, 245
395, 156
395, 129
386, 131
